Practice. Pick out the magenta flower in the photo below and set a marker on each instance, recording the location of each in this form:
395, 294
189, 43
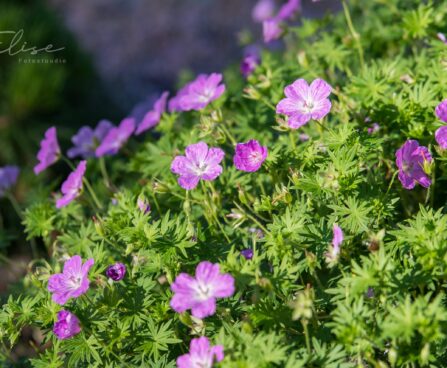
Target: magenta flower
263, 10
174, 102
247, 253
49, 151
153, 117
66, 326
271, 30
289, 9
87, 140
249, 64
411, 159
441, 111
72, 187
304, 102
8, 177
199, 162
72, 282
199, 293
249, 156
116, 272
334, 250
200, 92
441, 137
201, 354
116, 138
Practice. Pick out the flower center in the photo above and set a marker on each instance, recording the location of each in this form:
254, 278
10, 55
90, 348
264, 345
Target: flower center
206, 95
75, 282
201, 168
203, 291
255, 157
308, 106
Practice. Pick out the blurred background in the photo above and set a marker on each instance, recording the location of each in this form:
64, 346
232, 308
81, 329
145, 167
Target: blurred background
107, 58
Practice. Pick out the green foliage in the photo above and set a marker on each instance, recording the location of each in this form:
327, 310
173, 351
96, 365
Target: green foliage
381, 303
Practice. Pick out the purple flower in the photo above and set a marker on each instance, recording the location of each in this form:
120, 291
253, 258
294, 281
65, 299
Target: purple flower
72, 187
411, 159
199, 162
116, 138
249, 156
304, 137
200, 92
373, 128
441, 137
72, 282
201, 354
271, 30
304, 102
49, 151
66, 326
143, 205
289, 9
441, 111
249, 64
247, 253
116, 271
199, 293
87, 140
263, 10
153, 117
8, 177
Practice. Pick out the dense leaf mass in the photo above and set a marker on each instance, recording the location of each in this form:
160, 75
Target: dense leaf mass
379, 301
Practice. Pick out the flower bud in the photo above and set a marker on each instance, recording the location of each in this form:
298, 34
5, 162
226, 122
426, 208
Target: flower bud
116, 272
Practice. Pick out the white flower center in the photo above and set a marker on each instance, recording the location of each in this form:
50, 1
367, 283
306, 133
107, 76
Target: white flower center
203, 291
201, 362
75, 282
201, 168
308, 106
255, 157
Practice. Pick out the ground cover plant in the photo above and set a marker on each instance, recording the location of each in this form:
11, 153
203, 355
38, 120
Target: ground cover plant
288, 214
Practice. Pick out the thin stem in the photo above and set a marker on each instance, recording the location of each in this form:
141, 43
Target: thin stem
354, 34
292, 140
391, 182
15, 205
92, 193
228, 134
306, 335
104, 173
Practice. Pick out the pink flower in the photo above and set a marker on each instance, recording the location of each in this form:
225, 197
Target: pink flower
116, 272
334, 250
441, 37
411, 159
441, 111
373, 128
199, 162
143, 205
249, 156
441, 137
289, 9
271, 30
72, 187
199, 293
49, 151
153, 117
201, 354
72, 282
116, 138
66, 326
174, 102
304, 102
263, 10
200, 92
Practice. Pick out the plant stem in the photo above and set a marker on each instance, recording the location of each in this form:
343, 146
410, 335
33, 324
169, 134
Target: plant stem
103, 168
92, 193
228, 134
15, 205
354, 34
306, 335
